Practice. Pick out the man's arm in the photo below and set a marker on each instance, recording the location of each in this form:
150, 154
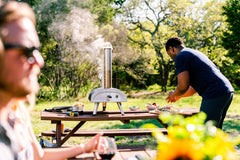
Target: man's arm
183, 88
191, 91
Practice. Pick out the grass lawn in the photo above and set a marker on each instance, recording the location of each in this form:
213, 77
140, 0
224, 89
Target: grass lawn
231, 123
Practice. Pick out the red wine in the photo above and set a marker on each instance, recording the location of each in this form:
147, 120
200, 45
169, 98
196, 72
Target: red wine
107, 156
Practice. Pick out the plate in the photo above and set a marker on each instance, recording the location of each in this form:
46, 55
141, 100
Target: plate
151, 106
181, 111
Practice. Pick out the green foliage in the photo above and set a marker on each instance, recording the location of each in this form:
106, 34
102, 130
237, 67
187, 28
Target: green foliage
199, 24
231, 39
31, 2
69, 72
128, 64
103, 9
154, 87
137, 31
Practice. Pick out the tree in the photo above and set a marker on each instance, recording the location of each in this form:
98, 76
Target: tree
145, 20
129, 64
230, 38
70, 44
151, 22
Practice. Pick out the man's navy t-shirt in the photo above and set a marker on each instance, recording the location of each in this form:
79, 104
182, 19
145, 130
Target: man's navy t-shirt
205, 77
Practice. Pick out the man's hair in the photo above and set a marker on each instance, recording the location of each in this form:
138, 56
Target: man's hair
176, 42
12, 11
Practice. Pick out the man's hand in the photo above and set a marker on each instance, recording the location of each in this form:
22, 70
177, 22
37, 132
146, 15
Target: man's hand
171, 97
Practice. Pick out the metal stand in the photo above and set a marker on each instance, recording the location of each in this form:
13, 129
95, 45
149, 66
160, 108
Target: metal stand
120, 107
104, 107
95, 108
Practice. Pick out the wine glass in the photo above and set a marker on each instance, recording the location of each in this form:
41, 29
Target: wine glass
106, 148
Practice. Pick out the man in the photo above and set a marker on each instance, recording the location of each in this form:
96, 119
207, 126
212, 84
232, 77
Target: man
8, 147
197, 73
20, 64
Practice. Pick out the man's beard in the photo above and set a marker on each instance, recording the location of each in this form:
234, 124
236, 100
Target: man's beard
20, 90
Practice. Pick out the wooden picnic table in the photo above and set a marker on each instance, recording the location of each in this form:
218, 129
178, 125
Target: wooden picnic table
121, 154
57, 117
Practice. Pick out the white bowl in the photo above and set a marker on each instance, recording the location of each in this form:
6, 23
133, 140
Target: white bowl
134, 108
151, 107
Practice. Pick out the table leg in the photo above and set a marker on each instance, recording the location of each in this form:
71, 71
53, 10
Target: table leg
58, 133
72, 132
164, 124
125, 121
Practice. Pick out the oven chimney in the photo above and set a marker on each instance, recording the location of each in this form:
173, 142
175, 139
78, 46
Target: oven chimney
108, 66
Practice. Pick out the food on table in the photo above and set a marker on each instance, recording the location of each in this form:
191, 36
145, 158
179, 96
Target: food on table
134, 108
150, 106
168, 108
80, 106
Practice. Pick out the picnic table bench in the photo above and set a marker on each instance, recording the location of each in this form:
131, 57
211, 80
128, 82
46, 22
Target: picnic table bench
107, 132
57, 118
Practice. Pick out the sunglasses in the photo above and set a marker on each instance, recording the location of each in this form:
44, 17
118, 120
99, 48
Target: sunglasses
28, 51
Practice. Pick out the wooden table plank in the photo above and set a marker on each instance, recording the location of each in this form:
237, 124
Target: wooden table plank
117, 156
120, 155
151, 153
106, 115
129, 154
99, 117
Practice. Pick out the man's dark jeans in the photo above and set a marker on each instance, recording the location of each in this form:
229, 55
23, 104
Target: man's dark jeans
216, 108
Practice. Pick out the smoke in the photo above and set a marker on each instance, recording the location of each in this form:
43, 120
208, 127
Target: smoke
78, 37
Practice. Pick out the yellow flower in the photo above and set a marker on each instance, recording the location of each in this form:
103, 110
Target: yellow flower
185, 149
192, 139
221, 146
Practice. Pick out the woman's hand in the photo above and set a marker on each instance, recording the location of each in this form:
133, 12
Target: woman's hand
92, 144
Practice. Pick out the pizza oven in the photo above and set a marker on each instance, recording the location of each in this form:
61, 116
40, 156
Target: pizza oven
107, 94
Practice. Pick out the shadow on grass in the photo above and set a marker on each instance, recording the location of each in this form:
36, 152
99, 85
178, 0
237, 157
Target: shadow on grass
135, 124
232, 127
